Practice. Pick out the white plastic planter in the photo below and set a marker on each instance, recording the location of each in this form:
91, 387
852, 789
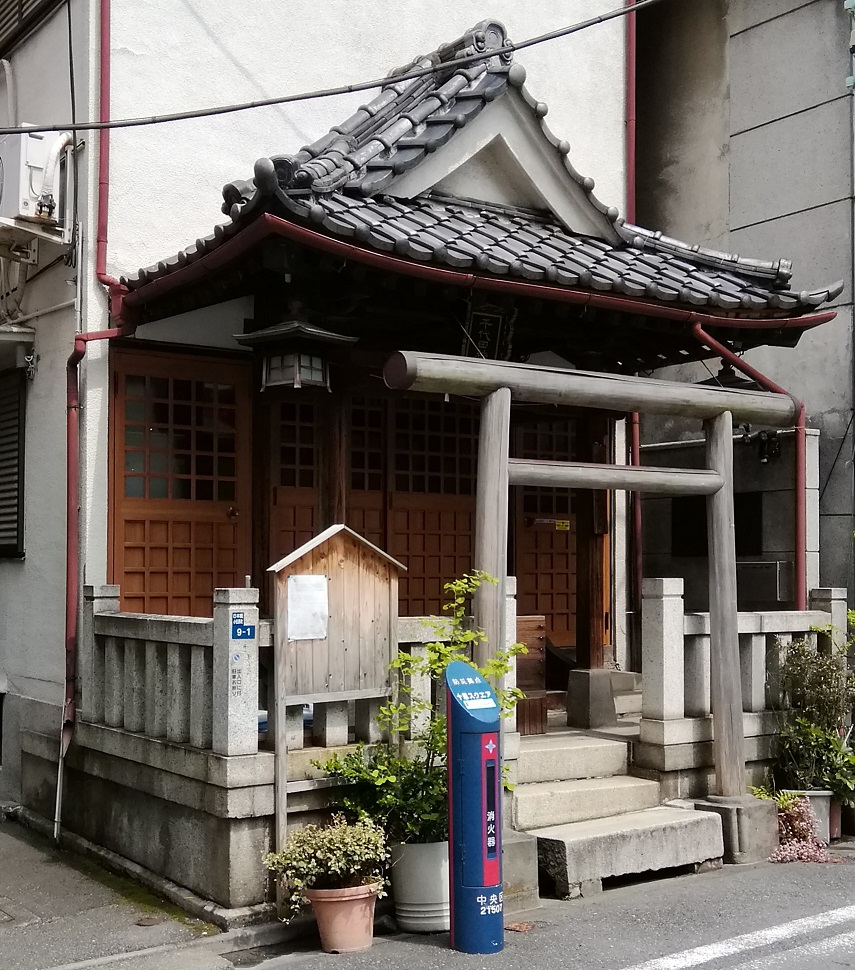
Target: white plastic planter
820, 803
420, 887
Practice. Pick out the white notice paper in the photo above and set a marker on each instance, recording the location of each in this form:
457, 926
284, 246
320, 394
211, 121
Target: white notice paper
308, 607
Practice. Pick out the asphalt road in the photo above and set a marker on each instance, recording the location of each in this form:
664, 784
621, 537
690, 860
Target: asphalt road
786, 917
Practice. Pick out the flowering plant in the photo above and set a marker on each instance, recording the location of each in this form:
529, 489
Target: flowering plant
340, 855
797, 836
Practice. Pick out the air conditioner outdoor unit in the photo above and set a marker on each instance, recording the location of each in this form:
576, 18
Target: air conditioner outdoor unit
22, 171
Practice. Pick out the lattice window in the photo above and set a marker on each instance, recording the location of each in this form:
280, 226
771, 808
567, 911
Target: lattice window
298, 436
436, 447
548, 441
367, 444
180, 440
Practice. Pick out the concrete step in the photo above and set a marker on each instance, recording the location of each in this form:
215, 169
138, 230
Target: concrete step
627, 702
519, 872
557, 803
564, 757
578, 856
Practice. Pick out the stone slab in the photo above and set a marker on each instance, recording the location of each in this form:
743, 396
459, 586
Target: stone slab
658, 838
688, 730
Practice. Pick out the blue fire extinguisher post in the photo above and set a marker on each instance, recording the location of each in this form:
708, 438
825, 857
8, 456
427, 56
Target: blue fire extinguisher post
475, 812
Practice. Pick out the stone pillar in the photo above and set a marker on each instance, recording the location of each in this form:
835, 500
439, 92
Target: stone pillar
752, 668
90, 653
329, 724
662, 637
696, 676
510, 735
235, 690
831, 600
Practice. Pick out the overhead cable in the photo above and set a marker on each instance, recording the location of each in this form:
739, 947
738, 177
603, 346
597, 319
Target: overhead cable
335, 91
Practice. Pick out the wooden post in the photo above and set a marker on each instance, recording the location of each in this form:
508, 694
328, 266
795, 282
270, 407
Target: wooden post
725, 686
280, 755
491, 520
591, 529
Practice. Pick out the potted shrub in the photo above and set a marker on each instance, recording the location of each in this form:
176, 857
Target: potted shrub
812, 756
404, 786
339, 870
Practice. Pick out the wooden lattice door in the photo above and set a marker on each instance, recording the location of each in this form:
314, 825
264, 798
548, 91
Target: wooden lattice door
545, 534
296, 447
412, 489
181, 480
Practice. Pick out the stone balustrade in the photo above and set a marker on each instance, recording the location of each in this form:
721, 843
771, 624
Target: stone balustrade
676, 726
189, 680
196, 681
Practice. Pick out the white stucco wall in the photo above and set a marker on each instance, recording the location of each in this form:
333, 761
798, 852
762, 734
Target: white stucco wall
169, 55
32, 590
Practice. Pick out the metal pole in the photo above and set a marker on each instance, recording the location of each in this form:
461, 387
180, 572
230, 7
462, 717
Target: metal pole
726, 689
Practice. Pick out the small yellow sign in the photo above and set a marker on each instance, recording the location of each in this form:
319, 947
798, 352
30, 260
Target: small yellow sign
562, 525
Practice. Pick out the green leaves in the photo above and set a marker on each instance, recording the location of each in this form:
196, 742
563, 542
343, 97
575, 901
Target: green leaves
409, 796
336, 856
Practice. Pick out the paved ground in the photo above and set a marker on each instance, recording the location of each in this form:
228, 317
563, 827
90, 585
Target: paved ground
58, 909
785, 917
67, 915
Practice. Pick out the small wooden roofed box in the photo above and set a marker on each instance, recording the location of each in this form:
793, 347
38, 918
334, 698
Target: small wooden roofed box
336, 619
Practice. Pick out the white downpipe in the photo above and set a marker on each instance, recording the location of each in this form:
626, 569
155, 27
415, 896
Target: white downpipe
64, 141
45, 310
11, 93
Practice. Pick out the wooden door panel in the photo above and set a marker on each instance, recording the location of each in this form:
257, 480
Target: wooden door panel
181, 517
432, 535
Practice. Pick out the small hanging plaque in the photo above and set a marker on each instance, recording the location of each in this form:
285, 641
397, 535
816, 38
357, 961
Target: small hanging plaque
308, 607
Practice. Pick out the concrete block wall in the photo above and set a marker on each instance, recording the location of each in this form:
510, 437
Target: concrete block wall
748, 147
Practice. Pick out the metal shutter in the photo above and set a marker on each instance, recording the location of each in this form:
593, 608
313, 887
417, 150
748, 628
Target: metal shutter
12, 397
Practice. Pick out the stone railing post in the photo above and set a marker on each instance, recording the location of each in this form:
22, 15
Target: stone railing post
831, 600
662, 644
96, 599
235, 681
510, 735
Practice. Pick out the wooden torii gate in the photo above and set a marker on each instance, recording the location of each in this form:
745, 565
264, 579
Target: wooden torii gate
498, 383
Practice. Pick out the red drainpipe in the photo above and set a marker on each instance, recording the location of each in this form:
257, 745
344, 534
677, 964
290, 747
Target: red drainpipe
116, 292
800, 523
635, 424
115, 288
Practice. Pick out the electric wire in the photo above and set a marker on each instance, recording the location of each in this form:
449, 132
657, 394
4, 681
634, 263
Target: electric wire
411, 75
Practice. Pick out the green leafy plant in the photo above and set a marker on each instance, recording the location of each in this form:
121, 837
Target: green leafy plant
340, 855
811, 757
405, 787
817, 684
407, 796
817, 692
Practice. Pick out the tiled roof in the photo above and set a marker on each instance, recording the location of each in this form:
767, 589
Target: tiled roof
337, 183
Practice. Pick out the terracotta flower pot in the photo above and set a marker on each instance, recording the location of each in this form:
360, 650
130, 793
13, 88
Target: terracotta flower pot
345, 917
